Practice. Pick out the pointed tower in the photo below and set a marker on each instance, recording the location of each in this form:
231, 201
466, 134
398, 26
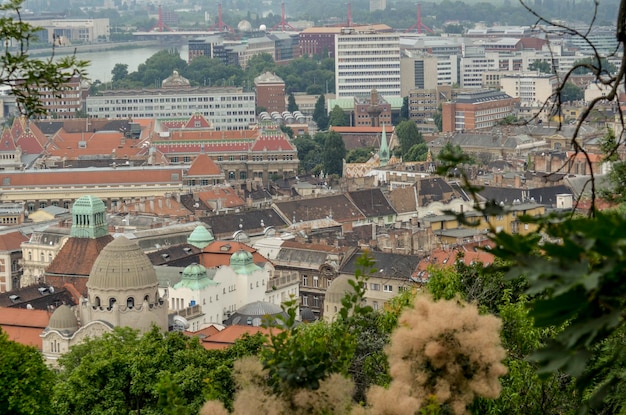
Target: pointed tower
383, 152
88, 237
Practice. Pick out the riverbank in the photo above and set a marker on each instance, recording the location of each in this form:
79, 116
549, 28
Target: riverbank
98, 47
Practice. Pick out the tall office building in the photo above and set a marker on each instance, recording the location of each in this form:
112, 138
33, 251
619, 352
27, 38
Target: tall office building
366, 60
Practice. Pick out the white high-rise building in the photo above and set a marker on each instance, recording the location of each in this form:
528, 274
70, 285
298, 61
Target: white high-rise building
366, 60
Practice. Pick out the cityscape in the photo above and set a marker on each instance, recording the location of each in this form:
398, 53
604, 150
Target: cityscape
370, 207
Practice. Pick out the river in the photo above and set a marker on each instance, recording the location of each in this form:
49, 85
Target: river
103, 62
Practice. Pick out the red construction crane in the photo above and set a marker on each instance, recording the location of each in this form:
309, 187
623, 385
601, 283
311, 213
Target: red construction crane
160, 23
283, 21
419, 25
220, 25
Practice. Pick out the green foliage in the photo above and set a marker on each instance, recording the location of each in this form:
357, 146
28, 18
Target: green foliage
333, 153
571, 92
121, 372
541, 66
418, 152
338, 117
408, 136
291, 103
319, 113
404, 111
301, 355
26, 380
309, 153
24, 74
360, 155
579, 275
593, 65
119, 72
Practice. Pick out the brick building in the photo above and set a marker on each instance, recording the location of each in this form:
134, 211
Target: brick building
476, 110
270, 92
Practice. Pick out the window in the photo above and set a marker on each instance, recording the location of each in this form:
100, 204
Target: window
387, 288
130, 302
305, 300
315, 281
375, 305
305, 280
375, 287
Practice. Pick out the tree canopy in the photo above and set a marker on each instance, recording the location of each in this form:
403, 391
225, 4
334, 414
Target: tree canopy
26, 380
25, 75
408, 136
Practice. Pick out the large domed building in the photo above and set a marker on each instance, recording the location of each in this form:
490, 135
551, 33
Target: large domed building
122, 291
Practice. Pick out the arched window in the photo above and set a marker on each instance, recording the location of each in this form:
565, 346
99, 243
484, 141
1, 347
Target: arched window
147, 298
111, 302
97, 302
130, 302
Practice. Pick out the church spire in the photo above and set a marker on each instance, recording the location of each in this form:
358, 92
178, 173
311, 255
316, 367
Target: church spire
383, 153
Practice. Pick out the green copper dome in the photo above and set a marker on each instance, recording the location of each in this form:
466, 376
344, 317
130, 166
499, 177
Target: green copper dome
195, 278
200, 237
89, 218
242, 262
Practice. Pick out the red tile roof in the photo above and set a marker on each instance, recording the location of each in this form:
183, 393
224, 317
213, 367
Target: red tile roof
227, 195
197, 118
218, 253
7, 141
74, 145
440, 258
203, 166
227, 337
11, 241
24, 326
273, 143
77, 256
89, 177
364, 129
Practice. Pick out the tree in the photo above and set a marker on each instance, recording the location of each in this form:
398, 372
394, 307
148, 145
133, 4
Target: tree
27, 76
593, 65
360, 154
418, 152
122, 372
541, 66
333, 153
408, 136
319, 113
338, 117
309, 153
119, 72
291, 104
404, 111
571, 92
26, 380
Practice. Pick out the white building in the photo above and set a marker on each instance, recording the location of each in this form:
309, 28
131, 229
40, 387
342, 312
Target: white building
366, 60
428, 72
64, 32
227, 108
474, 63
529, 87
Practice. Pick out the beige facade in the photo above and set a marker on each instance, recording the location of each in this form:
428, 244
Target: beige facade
529, 87
39, 251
